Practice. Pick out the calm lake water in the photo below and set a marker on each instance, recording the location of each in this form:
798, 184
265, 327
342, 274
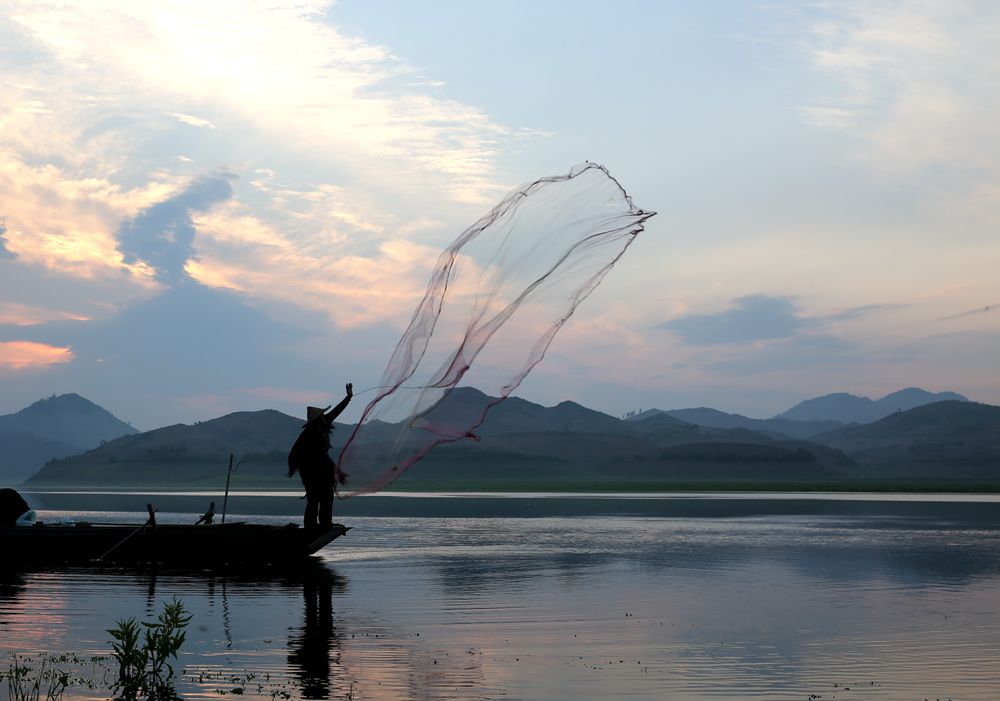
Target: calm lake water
644, 597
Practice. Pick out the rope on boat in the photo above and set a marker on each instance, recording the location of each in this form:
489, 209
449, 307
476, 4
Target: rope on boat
150, 521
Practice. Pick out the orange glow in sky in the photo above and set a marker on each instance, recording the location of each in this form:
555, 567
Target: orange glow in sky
28, 354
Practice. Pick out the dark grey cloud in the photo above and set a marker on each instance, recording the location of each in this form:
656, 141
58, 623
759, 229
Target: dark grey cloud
855, 312
4, 252
190, 340
153, 362
795, 341
162, 236
761, 317
973, 312
191, 329
751, 318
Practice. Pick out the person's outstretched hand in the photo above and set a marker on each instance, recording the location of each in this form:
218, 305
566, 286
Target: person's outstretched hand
350, 389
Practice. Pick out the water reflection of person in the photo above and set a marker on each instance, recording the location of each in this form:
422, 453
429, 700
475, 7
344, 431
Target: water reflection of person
315, 646
310, 457
11, 585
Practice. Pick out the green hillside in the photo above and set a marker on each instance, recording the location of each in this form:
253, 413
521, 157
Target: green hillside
946, 445
955, 440
53, 427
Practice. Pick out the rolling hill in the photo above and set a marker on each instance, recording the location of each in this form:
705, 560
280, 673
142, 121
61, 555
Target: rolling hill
713, 418
848, 408
953, 440
50, 428
522, 444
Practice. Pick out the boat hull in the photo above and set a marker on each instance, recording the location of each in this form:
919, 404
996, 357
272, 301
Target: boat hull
216, 544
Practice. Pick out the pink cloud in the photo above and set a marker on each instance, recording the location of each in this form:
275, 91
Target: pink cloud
19, 355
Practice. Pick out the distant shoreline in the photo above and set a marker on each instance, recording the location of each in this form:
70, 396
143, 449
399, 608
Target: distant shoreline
182, 507
914, 487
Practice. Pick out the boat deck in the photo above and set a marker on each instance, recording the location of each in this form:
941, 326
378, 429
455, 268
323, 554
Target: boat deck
207, 544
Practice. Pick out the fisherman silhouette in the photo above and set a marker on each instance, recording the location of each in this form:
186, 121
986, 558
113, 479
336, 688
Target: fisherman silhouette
207, 517
310, 457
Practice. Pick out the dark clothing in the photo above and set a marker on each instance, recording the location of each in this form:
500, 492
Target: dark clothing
310, 457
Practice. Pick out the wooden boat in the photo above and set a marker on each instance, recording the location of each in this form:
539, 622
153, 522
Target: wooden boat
206, 545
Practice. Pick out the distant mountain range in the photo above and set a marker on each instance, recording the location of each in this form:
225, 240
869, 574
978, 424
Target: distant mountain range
714, 418
848, 408
522, 444
946, 444
813, 417
51, 428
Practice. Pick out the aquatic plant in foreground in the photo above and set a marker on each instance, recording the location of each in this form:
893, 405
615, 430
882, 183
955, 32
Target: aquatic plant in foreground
145, 669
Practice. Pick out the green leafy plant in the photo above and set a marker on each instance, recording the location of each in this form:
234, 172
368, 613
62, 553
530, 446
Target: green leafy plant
130, 656
144, 669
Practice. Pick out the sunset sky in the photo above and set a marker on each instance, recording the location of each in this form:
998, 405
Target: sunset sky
217, 206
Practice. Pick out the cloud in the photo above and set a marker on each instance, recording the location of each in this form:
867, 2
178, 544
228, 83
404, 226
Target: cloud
187, 341
349, 181
162, 236
192, 120
914, 82
972, 312
113, 114
31, 315
770, 335
282, 78
4, 252
763, 317
349, 272
863, 310
827, 116
19, 355
63, 220
751, 318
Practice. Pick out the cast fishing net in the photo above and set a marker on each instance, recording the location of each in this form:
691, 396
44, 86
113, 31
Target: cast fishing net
497, 297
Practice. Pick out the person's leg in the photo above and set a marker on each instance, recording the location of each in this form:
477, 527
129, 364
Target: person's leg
309, 518
312, 500
326, 504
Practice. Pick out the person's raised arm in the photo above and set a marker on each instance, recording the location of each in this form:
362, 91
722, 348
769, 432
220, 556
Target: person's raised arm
335, 411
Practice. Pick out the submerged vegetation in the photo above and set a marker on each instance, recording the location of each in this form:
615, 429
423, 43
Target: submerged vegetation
137, 669
46, 677
139, 663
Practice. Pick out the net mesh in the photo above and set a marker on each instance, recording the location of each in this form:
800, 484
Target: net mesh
496, 299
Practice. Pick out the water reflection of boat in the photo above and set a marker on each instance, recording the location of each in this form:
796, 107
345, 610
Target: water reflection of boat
209, 544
